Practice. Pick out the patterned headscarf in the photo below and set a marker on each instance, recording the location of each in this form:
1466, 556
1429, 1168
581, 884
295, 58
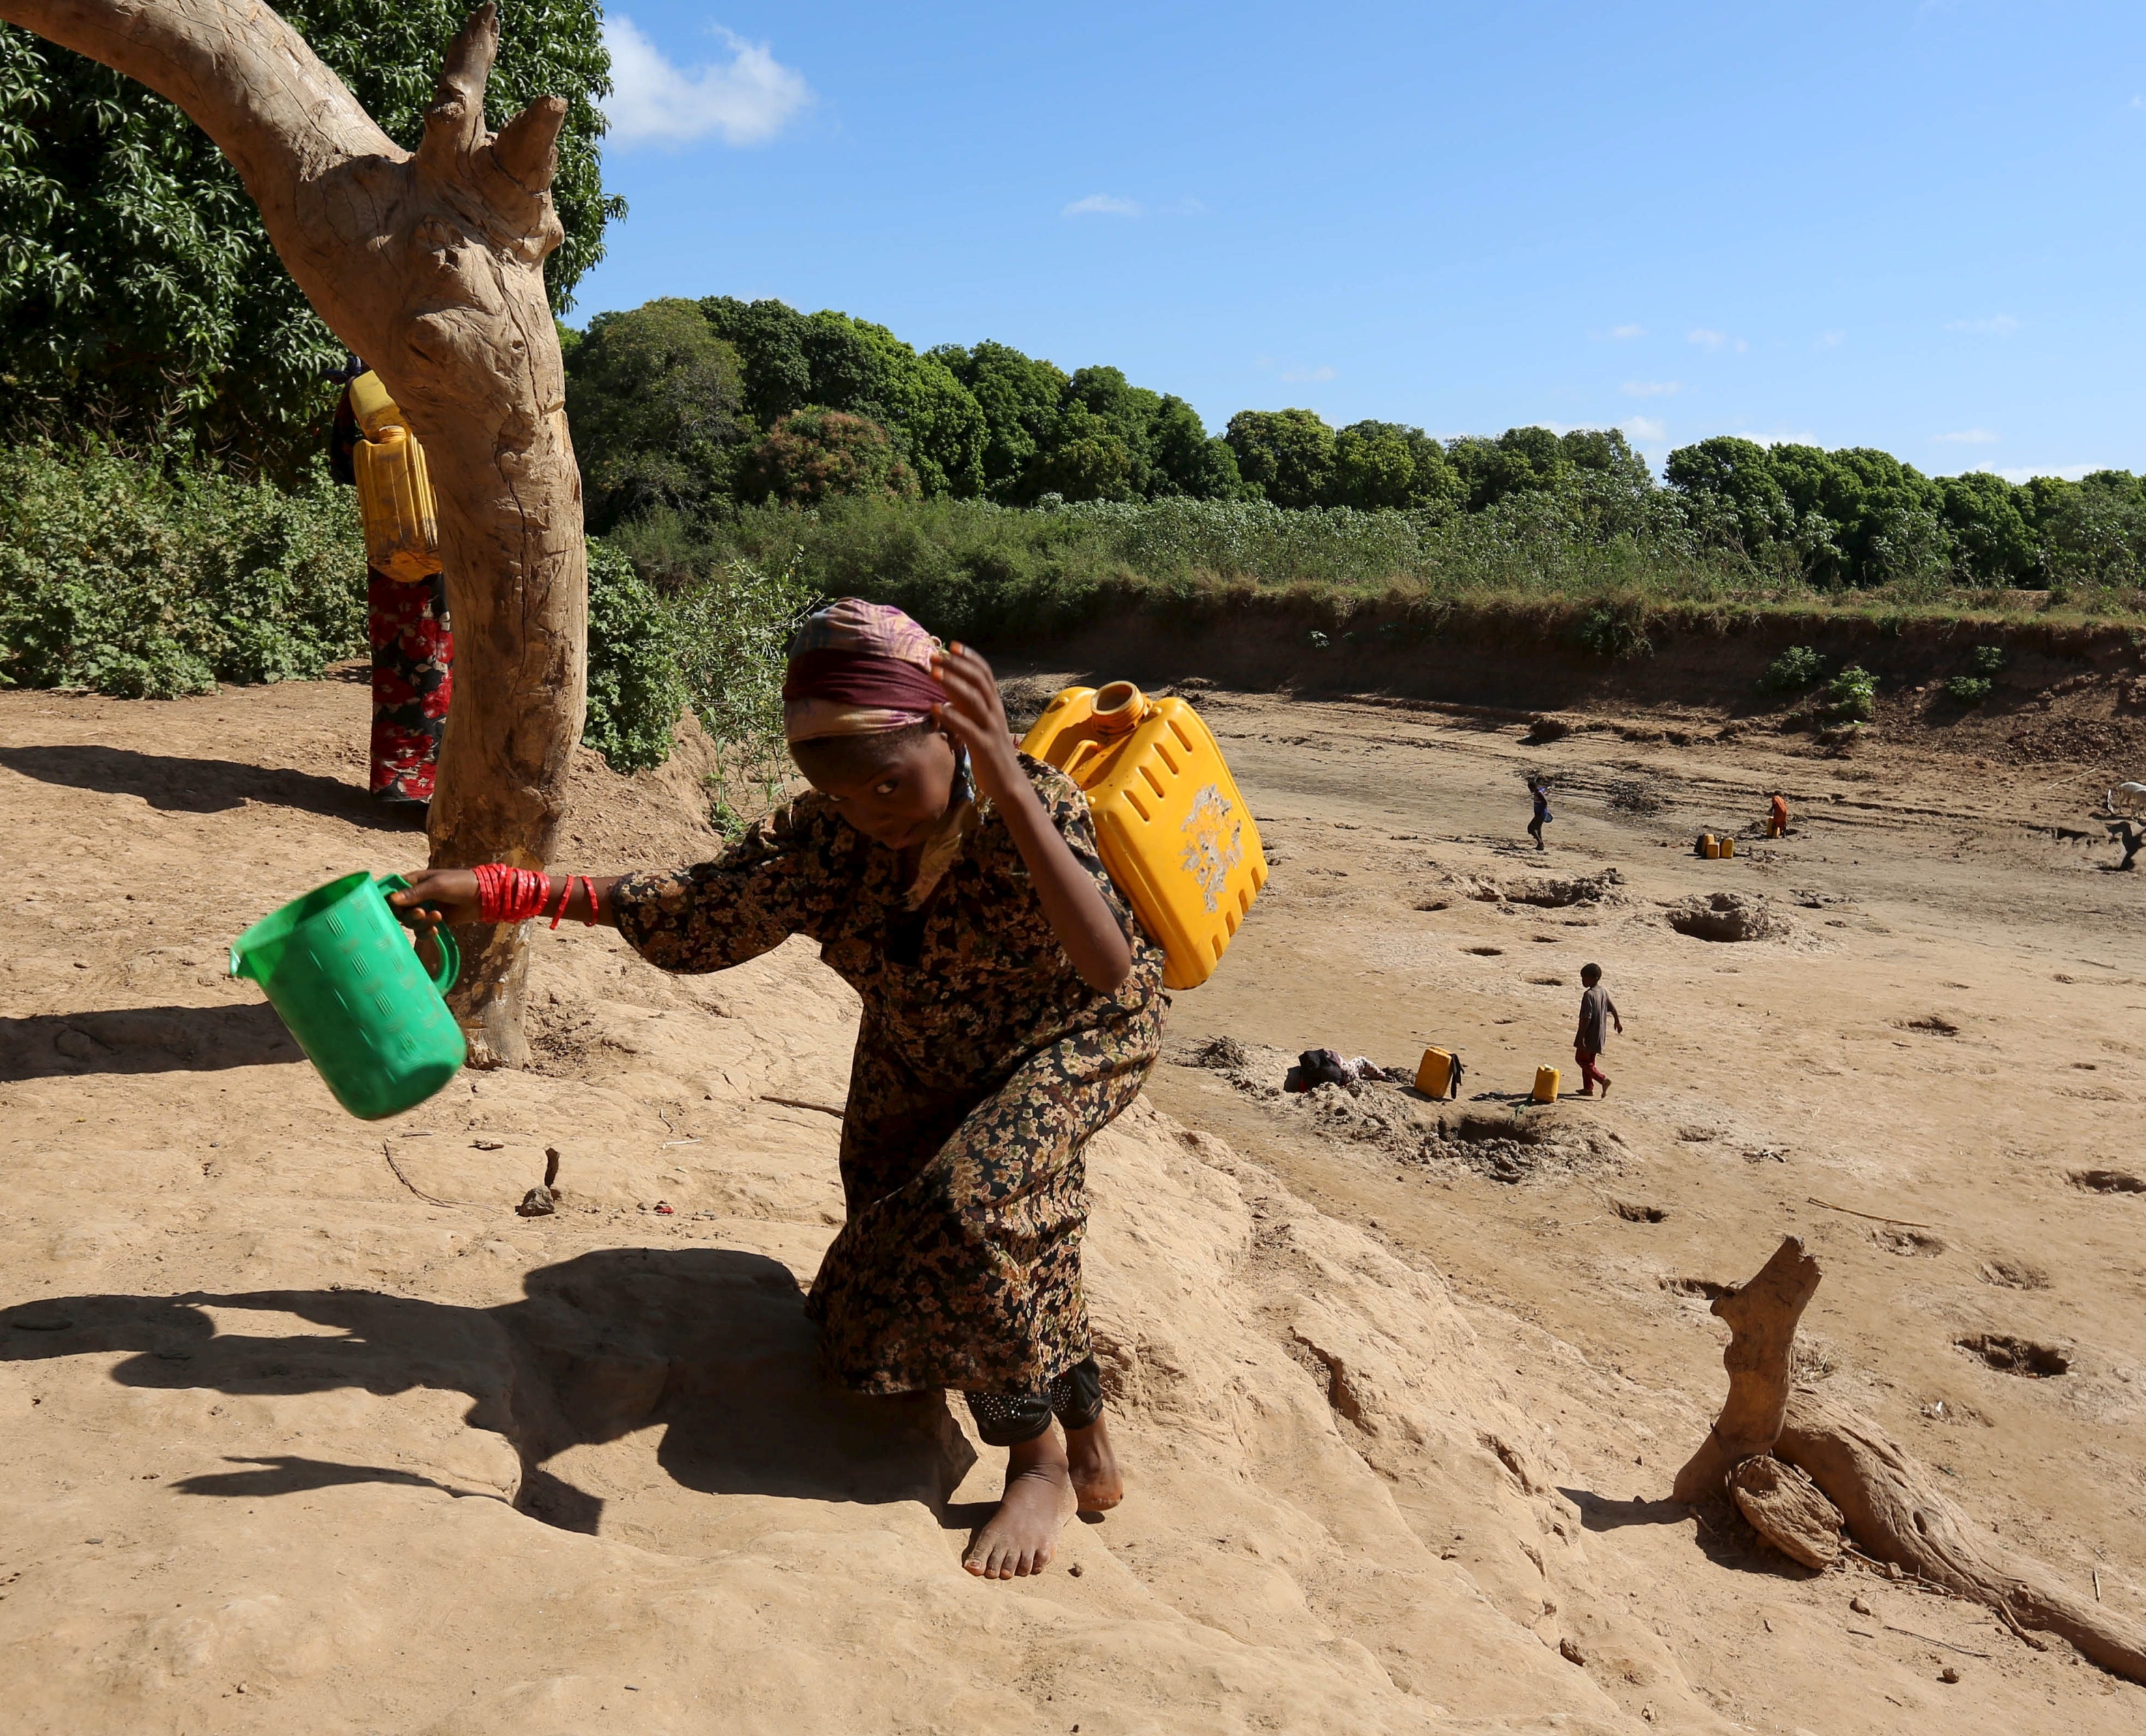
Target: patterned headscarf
857, 669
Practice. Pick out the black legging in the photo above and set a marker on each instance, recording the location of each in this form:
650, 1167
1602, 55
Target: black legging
1075, 1398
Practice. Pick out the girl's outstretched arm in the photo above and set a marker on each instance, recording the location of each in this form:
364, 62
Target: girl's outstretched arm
447, 896
1079, 915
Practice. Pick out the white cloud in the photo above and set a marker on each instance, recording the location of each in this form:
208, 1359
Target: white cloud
1707, 339
1111, 205
1829, 339
2027, 473
1622, 332
1646, 428
1102, 205
1307, 376
1968, 437
748, 100
1652, 388
1998, 325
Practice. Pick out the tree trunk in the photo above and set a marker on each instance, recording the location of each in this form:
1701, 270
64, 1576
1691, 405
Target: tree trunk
429, 266
1762, 1318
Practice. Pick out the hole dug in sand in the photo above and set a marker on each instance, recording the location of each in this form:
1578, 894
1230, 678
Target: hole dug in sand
1728, 917
1545, 891
1632, 1212
2011, 1355
1706, 1289
2013, 1274
2108, 1181
1907, 1242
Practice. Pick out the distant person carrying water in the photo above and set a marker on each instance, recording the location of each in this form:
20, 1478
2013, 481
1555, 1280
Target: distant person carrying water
1777, 817
1012, 1008
1539, 789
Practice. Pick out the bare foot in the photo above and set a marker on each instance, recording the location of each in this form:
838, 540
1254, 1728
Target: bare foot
1098, 1486
1022, 1536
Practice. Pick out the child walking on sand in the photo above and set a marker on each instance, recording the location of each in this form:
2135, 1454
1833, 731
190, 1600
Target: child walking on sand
1597, 1013
1012, 1008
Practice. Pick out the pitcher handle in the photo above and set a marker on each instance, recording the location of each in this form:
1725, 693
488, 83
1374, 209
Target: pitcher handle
450, 954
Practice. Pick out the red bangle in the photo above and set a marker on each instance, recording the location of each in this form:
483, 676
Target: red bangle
566, 892
509, 895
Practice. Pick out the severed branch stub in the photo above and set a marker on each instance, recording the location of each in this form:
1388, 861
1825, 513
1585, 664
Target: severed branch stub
1762, 1317
1832, 1461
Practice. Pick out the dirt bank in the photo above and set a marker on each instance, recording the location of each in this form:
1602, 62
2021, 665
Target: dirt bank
2069, 691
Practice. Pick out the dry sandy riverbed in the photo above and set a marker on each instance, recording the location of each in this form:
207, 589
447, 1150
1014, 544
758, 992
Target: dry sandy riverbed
348, 1435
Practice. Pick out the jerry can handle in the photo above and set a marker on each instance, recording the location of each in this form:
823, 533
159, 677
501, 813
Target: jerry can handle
450, 954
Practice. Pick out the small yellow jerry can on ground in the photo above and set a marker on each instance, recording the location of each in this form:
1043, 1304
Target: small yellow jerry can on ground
1433, 1074
1728, 847
1175, 833
394, 490
1546, 1078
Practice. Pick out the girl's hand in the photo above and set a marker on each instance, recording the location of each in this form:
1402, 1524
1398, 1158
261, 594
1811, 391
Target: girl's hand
438, 897
976, 717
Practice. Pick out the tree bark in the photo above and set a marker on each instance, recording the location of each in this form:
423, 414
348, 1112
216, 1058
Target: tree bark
1762, 1318
429, 266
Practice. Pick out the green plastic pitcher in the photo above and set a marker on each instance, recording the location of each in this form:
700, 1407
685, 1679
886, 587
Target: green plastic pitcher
339, 968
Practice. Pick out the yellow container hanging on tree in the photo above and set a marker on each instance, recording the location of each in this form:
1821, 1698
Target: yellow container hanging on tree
394, 490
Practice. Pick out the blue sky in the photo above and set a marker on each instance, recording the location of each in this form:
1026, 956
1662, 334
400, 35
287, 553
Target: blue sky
1915, 227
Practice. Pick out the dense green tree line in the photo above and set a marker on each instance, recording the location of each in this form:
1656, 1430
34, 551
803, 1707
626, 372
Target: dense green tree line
140, 300
688, 404
1858, 517
703, 406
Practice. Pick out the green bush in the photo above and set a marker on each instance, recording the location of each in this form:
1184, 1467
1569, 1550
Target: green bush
120, 577
1988, 659
1617, 629
1852, 695
1798, 667
1968, 690
635, 691
732, 628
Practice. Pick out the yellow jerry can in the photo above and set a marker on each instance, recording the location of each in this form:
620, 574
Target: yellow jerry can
394, 491
1434, 1074
1175, 835
1712, 846
1728, 848
1546, 1078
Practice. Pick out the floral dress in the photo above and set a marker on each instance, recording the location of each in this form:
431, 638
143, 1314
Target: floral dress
983, 1065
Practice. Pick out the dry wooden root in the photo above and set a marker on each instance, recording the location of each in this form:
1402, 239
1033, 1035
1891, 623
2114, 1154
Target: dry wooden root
1762, 1318
1894, 1511
1786, 1508
1892, 1507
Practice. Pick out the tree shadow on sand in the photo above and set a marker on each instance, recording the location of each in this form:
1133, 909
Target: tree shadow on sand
144, 1040
177, 785
710, 1343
